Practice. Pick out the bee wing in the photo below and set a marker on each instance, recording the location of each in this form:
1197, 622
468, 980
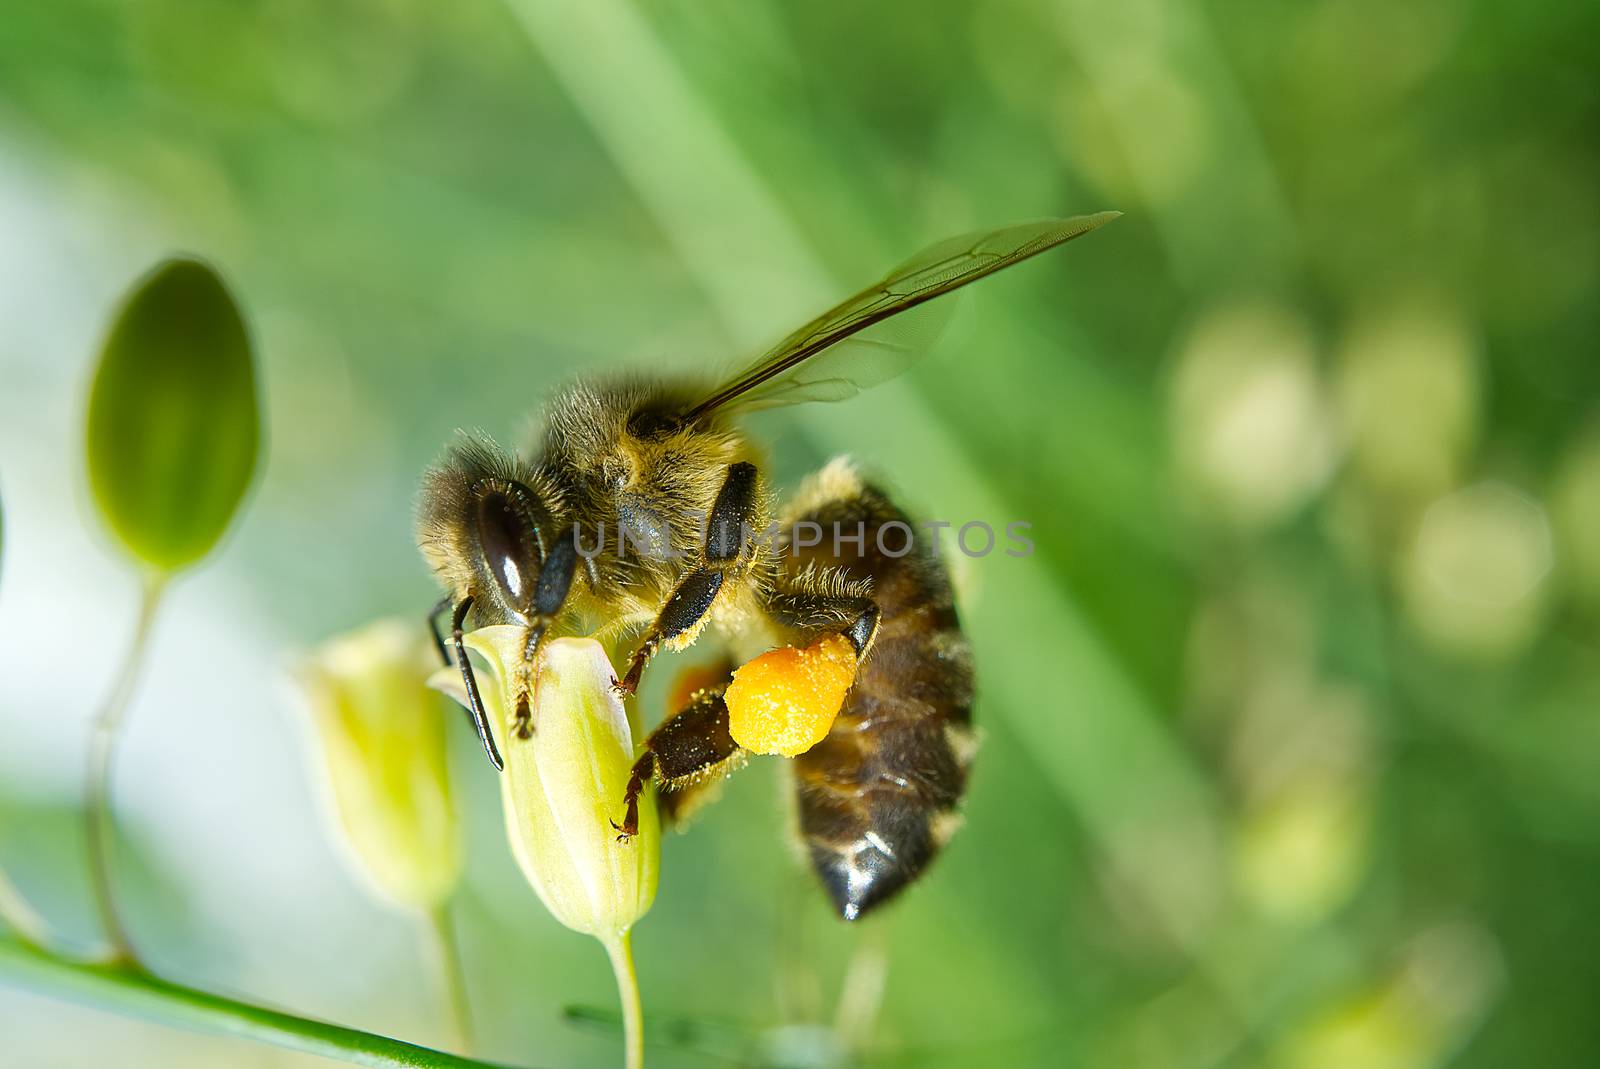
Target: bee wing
830, 359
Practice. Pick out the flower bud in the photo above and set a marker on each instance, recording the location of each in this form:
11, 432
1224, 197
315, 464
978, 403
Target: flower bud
564, 784
383, 742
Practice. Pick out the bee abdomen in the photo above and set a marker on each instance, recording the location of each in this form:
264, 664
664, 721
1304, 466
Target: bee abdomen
877, 798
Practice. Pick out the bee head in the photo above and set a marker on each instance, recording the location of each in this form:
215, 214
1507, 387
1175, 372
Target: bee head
484, 529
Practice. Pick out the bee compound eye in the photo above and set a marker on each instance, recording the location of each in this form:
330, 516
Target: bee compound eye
506, 540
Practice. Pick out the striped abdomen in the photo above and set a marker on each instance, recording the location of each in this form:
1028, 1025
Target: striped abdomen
877, 797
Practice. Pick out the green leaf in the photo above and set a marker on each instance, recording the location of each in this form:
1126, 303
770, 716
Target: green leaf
173, 421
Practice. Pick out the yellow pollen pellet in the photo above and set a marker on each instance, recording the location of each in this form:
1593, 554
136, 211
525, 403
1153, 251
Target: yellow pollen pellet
784, 701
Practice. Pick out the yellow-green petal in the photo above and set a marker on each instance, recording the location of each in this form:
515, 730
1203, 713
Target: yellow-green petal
382, 735
563, 786
173, 422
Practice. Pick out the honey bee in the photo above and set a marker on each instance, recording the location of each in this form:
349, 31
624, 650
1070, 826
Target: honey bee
642, 511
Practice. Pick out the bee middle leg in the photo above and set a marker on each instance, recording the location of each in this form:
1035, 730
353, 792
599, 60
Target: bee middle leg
728, 535
687, 746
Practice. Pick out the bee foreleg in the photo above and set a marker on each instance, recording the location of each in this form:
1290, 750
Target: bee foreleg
689, 745
480, 718
444, 605
727, 541
434, 613
549, 595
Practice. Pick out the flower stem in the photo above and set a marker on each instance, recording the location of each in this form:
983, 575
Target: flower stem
99, 828
452, 976
137, 994
620, 949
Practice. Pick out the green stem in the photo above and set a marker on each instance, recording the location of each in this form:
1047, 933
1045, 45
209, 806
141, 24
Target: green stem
133, 993
861, 994
99, 828
452, 975
20, 917
620, 950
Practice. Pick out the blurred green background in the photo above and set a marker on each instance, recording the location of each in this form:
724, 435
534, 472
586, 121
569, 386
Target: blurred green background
1292, 752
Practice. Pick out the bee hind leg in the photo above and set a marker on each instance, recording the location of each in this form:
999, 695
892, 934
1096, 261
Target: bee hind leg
809, 608
688, 746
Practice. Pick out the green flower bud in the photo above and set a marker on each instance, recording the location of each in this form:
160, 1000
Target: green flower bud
383, 743
564, 784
